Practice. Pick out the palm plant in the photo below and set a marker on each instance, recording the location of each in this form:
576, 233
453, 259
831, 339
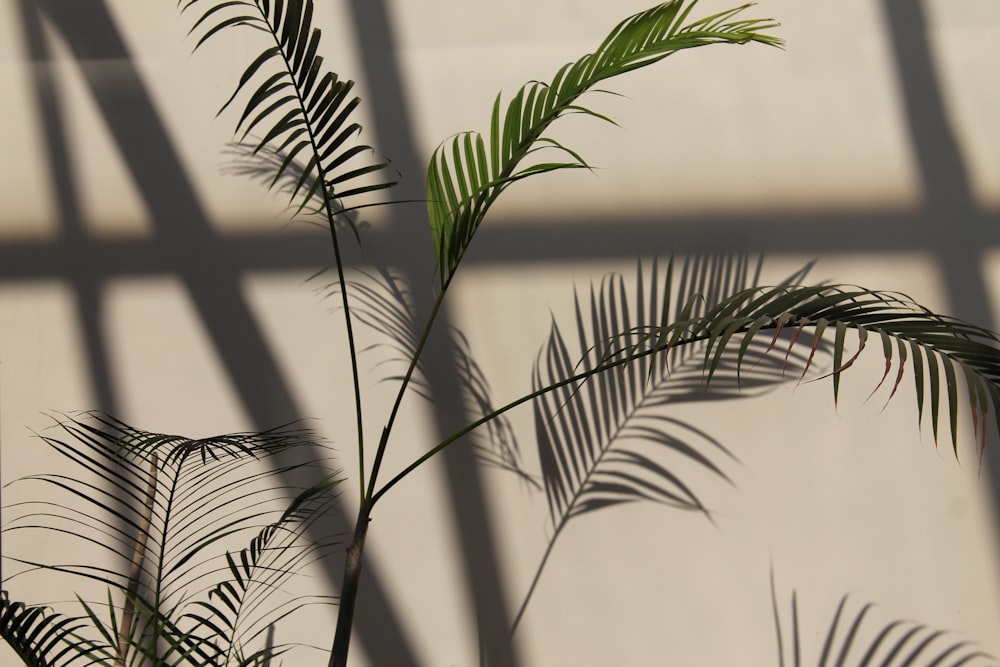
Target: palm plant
167, 511
188, 592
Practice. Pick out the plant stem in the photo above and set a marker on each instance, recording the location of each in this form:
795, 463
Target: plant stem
349, 590
513, 404
350, 343
384, 441
138, 556
329, 196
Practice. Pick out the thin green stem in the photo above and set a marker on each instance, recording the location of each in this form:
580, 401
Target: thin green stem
350, 342
328, 199
421, 343
524, 399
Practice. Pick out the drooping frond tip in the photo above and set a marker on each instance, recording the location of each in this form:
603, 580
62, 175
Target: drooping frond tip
944, 354
468, 172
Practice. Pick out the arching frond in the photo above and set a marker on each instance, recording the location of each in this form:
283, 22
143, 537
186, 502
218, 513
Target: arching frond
601, 442
945, 354
302, 111
230, 617
43, 638
162, 512
468, 172
606, 440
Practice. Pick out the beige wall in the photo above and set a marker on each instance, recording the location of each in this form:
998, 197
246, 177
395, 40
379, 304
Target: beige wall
830, 149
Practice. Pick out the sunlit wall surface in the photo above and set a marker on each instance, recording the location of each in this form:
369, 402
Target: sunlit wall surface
140, 277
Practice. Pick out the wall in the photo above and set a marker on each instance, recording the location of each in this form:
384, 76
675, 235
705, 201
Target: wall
138, 279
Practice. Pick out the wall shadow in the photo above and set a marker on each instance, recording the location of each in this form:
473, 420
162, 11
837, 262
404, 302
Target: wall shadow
948, 226
188, 248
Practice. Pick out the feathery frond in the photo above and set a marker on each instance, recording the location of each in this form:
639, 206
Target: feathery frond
231, 615
44, 638
469, 171
206, 495
946, 354
303, 110
605, 440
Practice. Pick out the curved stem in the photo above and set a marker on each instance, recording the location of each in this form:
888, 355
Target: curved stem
351, 346
387, 429
138, 558
524, 399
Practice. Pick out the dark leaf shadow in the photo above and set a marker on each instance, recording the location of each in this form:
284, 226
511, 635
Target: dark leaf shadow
605, 441
272, 169
853, 639
381, 300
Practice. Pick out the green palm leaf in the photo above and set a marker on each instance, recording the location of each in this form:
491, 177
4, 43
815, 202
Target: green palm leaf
302, 111
468, 172
206, 494
946, 355
44, 638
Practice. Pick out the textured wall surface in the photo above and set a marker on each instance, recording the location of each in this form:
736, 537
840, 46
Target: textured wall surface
138, 278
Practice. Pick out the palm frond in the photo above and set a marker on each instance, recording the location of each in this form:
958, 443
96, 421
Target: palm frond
303, 111
231, 613
42, 638
469, 171
605, 440
208, 494
601, 441
854, 639
946, 354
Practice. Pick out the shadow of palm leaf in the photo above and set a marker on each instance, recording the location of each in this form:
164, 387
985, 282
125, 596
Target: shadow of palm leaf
606, 441
160, 519
272, 168
382, 302
854, 640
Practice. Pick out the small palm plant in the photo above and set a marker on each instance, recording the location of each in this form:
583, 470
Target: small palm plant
184, 592
166, 511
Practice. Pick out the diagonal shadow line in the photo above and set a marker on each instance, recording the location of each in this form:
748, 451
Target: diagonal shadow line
87, 286
507, 244
954, 228
483, 576
211, 277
